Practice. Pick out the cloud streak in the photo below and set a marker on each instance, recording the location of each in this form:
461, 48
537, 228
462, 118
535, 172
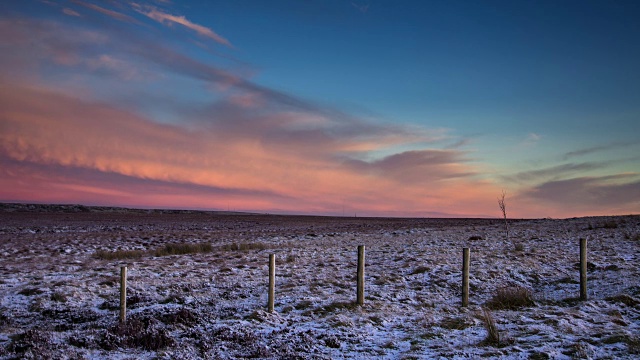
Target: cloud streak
604, 195
70, 12
596, 149
110, 13
553, 172
168, 19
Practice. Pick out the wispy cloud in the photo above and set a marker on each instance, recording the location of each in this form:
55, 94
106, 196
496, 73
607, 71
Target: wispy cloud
596, 149
363, 8
169, 19
111, 13
70, 12
418, 166
530, 140
613, 194
116, 67
553, 172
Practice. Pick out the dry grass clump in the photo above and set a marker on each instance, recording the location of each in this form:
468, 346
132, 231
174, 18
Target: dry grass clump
635, 237
138, 332
633, 345
419, 270
455, 323
333, 307
119, 254
493, 336
181, 249
30, 291
511, 298
58, 297
245, 246
166, 250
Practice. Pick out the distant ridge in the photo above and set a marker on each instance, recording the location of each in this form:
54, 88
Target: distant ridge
76, 208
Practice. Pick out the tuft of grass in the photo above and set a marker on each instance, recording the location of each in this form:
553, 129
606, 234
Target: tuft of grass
119, 254
511, 297
138, 332
304, 304
456, 323
493, 336
183, 316
30, 291
182, 249
623, 298
633, 345
333, 307
519, 247
420, 270
58, 297
36, 341
166, 250
246, 246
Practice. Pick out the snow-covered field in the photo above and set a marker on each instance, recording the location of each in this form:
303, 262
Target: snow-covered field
58, 300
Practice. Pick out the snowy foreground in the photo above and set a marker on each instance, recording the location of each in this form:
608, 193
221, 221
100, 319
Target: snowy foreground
59, 300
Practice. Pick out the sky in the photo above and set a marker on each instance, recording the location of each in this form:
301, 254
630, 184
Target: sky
348, 108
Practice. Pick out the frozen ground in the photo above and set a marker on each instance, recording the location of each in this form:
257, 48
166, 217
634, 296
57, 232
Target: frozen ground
57, 300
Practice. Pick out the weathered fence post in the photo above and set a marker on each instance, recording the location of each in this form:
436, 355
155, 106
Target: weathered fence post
583, 269
465, 277
360, 294
272, 282
123, 294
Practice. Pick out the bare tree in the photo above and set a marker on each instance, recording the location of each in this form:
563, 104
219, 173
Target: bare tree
503, 208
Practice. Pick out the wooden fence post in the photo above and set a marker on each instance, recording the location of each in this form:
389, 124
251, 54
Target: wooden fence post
465, 277
360, 292
583, 269
272, 282
123, 294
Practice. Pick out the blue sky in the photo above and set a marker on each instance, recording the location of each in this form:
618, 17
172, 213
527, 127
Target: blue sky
409, 108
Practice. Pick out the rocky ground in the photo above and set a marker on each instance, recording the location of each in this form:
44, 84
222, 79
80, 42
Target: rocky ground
59, 286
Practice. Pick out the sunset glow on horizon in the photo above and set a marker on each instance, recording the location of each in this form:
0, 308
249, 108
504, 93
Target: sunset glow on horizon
411, 109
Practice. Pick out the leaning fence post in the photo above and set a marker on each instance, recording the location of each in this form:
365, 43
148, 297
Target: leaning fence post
123, 294
583, 269
360, 292
465, 277
272, 282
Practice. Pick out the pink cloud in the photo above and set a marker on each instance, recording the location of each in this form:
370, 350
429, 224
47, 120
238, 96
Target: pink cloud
87, 142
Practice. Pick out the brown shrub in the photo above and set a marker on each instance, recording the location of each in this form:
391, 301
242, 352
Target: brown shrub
511, 297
